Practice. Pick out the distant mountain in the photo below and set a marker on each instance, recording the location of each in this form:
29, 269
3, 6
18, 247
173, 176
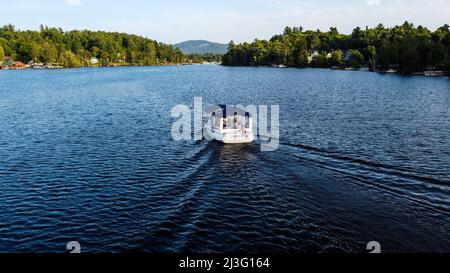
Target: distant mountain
201, 47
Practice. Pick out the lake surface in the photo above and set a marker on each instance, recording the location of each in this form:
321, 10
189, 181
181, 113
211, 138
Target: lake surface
87, 155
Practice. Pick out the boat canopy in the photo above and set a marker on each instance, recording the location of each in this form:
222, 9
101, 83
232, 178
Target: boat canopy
226, 110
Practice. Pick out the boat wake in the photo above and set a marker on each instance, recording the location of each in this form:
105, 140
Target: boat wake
429, 191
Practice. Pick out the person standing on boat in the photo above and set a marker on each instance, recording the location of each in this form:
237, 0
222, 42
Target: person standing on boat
235, 120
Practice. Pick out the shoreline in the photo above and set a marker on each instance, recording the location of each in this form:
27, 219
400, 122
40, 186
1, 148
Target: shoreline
260, 66
348, 69
91, 66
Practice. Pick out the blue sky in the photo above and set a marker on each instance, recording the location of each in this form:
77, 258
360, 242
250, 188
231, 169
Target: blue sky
173, 21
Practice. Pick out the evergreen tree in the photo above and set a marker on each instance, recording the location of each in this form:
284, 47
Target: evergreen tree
76, 48
406, 47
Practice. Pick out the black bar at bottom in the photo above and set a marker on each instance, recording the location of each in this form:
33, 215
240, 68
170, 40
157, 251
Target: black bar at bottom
225, 262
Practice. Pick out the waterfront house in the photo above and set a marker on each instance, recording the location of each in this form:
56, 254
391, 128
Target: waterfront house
9, 63
346, 56
18, 65
94, 60
312, 54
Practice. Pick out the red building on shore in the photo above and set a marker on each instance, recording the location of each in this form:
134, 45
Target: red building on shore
9, 63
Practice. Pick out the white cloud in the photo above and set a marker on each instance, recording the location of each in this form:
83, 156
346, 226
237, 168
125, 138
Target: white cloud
73, 2
374, 2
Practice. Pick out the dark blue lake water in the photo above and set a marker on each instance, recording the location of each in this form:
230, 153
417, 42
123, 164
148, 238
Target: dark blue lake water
87, 155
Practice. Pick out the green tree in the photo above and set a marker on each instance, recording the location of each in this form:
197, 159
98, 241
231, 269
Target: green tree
76, 48
302, 57
336, 57
314, 42
372, 56
2, 54
49, 53
407, 47
69, 59
320, 60
35, 51
356, 59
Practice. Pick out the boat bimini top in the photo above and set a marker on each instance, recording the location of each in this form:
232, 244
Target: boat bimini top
226, 111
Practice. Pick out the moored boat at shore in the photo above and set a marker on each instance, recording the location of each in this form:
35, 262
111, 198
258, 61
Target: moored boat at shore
433, 73
279, 66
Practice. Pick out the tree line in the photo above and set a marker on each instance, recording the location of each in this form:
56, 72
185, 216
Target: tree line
207, 57
406, 48
76, 48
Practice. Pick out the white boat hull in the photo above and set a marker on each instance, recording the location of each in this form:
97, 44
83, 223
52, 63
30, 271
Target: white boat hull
434, 73
231, 136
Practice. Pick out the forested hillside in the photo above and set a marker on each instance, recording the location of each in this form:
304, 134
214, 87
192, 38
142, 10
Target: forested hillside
201, 47
406, 48
76, 48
